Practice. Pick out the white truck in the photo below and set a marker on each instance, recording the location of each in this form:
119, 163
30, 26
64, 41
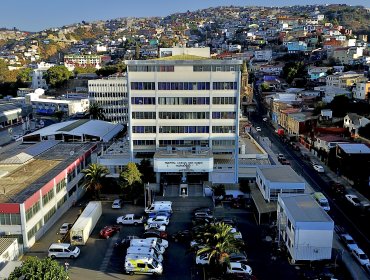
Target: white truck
130, 219
159, 206
85, 224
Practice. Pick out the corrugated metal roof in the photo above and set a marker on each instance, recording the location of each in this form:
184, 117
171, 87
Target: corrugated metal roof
5, 243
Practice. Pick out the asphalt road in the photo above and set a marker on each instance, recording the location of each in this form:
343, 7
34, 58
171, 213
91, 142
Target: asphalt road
341, 212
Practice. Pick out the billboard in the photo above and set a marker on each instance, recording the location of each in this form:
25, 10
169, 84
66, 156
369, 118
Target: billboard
183, 165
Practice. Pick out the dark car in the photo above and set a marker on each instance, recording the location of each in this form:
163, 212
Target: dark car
337, 189
238, 257
156, 233
108, 231
182, 236
202, 209
227, 220
201, 221
125, 242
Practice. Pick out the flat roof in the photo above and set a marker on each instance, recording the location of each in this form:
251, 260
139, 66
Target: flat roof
355, 148
184, 62
261, 204
304, 208
96, 128
23, 181
280, 173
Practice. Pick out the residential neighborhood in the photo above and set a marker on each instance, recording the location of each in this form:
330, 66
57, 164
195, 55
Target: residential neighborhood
228, 142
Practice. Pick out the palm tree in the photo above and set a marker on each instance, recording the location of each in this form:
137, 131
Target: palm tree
219, 242
96, 112
94, 176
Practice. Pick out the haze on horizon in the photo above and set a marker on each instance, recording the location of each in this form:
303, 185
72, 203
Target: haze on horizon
42, 14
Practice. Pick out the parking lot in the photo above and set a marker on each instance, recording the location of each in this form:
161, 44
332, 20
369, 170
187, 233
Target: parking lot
100, 260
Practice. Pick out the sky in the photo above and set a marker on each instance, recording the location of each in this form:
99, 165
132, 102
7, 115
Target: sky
42, 14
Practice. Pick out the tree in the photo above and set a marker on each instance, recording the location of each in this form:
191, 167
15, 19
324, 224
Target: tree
219, 242
94, 177
24, 75
130, 175
292, 70
34, 268
340, 105
96, 112
57, 75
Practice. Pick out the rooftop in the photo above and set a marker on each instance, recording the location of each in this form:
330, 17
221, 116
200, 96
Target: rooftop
280, 173
304, 208
355, 148
51, 159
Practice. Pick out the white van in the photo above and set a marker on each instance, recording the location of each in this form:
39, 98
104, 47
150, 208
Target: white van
147, 243
139, 264
63, 250
158, 207
162, 202
160, 241
145, 251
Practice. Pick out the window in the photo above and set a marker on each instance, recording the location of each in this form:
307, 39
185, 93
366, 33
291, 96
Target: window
32, 211
143, 129
143, 100
225, 85
224, 100
223, 129
10, 219
47, 197
142, 86
183, 86
31, 233
143, 115
49, 214
61, 201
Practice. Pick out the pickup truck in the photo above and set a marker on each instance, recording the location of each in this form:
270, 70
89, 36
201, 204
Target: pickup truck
130, 219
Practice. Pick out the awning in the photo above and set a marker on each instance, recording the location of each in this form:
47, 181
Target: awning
262, 205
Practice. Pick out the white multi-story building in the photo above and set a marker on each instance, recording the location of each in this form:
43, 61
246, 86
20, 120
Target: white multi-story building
38, 73
183, 112
48, 106
111, 95
304, 227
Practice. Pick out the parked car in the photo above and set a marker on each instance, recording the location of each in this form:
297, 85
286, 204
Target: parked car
125, 242
280, 157
155, 233
353, 199
108, 231
238, 257
196, 221
182, 236
203, 214
258, 129
63, 250
285, 162
161, 220
117, 204
360, 256
319, 168
348, 241
227, 220
160, 213
236, 267
65, 228
202, 209
155, 226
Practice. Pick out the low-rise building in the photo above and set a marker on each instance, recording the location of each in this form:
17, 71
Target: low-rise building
304, 227
353, 122
362, 91
40, 182
277, 179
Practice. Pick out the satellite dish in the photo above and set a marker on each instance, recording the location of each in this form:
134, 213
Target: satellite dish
71, 153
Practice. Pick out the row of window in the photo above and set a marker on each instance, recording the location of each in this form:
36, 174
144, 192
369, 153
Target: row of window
49, 214
203, 143
184, 86
107, 94
184, 129
223, 115
143, 129
47, 197
33, 210
10, 219
216, 68
223, 129
223, 142
62, 184
183, 115
144, 142
143, 115
31, 233
183, 100
142, 86
151, 68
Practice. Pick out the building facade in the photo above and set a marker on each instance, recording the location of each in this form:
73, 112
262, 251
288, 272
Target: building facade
111, 95
44, 182
183, 113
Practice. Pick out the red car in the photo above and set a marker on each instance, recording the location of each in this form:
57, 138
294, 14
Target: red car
108, 231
